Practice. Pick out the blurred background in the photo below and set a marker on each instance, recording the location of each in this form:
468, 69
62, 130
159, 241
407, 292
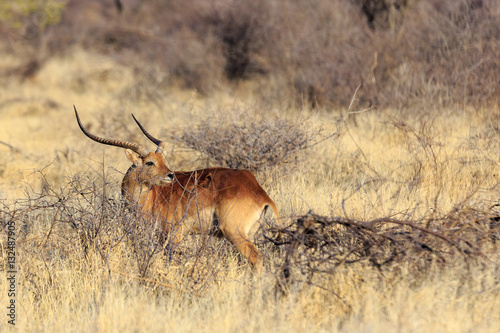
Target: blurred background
401, 53
370, 110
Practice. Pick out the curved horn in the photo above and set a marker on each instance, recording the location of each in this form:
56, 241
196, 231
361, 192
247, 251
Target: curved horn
156, 141
122, 144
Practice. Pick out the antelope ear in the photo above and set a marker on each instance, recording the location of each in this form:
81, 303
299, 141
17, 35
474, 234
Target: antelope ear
133, 157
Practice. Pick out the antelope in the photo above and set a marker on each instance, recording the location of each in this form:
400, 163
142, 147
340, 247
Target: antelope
229, 200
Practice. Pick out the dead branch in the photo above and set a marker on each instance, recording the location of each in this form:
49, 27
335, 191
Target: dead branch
316, 244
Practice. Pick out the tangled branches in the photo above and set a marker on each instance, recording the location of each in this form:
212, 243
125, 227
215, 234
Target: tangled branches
243, 142
317, 245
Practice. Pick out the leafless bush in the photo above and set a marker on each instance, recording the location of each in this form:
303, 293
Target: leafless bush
439, 55
252, 143
317, 245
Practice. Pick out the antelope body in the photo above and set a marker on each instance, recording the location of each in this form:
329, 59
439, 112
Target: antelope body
200, 201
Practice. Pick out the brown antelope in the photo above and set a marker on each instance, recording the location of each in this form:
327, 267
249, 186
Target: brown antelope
230, 200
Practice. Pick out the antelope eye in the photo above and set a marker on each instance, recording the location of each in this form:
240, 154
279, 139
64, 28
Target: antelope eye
150, 163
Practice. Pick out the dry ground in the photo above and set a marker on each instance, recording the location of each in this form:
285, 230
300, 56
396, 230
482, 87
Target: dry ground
382, 163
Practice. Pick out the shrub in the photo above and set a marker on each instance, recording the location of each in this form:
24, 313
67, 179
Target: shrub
247, 142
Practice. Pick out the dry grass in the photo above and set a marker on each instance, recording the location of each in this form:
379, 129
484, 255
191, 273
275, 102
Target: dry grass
88, 264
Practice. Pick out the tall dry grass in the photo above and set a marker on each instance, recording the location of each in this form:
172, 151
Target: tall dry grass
428, 155
85, 262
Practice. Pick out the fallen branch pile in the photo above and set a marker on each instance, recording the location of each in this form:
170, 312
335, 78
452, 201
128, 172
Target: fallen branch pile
319, 245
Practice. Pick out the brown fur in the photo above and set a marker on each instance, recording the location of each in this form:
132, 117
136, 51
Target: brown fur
188, 202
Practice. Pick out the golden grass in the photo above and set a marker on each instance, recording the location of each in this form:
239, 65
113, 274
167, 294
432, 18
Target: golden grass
383, 164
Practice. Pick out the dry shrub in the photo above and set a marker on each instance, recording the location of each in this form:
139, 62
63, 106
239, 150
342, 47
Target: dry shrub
384, 14
244, 141
443, 54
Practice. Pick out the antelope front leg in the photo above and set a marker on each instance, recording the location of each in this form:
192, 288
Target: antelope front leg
171, 238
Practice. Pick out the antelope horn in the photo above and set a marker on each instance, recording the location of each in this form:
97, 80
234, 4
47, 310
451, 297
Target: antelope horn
156, 141
122, 144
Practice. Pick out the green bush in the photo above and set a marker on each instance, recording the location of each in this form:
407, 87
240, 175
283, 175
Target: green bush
46, 12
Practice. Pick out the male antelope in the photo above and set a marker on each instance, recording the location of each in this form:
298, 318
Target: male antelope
195, 201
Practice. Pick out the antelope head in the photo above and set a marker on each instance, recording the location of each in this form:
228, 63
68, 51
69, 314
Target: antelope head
147, 168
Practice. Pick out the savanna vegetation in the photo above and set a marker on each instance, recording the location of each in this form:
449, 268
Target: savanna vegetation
373, 125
